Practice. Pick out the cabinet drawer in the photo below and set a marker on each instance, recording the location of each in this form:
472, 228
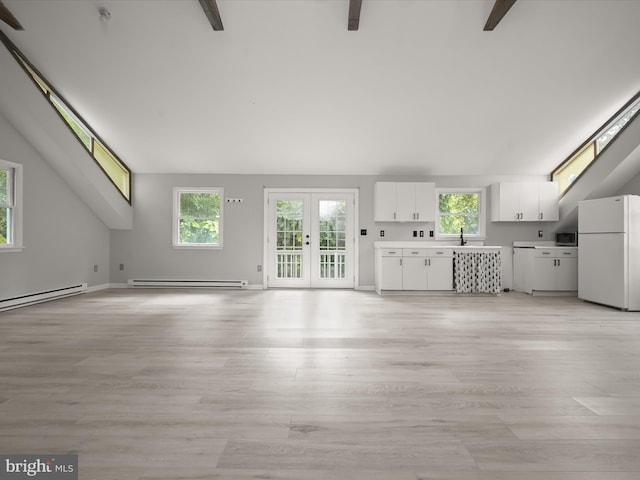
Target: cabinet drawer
391, 252
556, 253
440, 252
545, 253
414, 252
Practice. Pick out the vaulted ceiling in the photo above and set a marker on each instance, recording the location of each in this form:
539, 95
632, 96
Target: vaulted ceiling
286, 87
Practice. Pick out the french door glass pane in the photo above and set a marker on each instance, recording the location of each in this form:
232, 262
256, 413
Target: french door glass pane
289, 224
332, 220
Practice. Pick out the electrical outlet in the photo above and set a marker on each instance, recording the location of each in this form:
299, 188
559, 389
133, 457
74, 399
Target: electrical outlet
415, 233
540, 234
382, 233
121, 266
431, 233
363, 231
259, 268
421, 233
95, 268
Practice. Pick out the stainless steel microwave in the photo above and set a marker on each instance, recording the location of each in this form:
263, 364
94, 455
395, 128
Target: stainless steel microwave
567, 239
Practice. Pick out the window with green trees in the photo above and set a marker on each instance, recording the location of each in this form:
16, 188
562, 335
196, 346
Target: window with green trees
197, 217
6, 206
10, 206
460, 209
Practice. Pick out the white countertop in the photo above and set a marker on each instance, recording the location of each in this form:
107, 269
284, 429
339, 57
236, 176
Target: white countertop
545, 245
405, 244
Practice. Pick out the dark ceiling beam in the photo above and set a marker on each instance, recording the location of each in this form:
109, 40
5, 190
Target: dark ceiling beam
354, 14
211, 11
7, 17
500, 9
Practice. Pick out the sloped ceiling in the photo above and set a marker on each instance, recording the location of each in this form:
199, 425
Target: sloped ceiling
420, 88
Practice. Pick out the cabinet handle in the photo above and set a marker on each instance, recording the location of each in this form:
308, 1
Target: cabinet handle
558, 262
541, 215
400, 261
429, 261
418, 216
394, 215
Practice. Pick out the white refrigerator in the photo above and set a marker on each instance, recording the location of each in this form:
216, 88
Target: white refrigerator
609, 251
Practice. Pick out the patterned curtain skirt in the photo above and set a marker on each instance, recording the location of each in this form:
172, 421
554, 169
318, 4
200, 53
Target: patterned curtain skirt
477, 272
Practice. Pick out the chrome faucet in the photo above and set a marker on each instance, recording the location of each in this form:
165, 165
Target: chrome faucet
462, 240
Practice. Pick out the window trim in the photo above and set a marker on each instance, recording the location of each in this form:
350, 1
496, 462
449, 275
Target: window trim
16, 206
482, 213
176, 219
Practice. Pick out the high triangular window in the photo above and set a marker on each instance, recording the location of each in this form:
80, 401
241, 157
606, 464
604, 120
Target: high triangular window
111, 165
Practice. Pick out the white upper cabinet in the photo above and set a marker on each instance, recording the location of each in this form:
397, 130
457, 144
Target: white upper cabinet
385, 202
548, 201
404, 202
524, 202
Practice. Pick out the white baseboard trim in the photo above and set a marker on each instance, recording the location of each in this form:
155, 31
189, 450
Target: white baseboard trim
366, 287
96, 288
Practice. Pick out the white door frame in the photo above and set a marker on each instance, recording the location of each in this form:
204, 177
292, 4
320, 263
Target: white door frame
266, 226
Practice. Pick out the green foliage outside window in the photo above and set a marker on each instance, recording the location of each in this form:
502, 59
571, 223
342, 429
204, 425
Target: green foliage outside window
4, 212
333, 225
289, 224
4, 225
459, 210
199, 218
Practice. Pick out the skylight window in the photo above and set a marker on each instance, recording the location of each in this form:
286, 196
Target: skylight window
570, 170
111, 165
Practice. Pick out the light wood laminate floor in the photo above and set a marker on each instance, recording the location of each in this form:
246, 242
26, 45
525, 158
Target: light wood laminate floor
185, 384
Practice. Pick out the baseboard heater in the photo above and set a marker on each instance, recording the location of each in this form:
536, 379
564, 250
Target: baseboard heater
189, 283
31, 298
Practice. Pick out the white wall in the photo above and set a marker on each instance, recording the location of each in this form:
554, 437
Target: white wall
146, 251
63, 238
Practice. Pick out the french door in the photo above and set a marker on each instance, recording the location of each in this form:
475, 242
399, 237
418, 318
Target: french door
310, 239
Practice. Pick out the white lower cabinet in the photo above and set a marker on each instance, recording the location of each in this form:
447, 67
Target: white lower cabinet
540, 270
393, 270
419, 269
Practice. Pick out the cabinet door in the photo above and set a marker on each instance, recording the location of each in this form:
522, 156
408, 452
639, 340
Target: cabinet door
520, 273
548, 202
505, 202
391, 274
528, 199
425, 204
567, 274
414, 273
385, 202
545, 273
406, 202
440, 273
